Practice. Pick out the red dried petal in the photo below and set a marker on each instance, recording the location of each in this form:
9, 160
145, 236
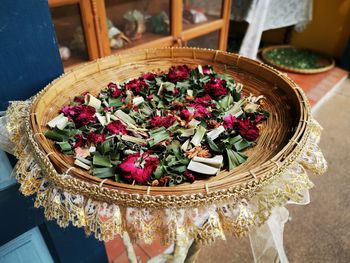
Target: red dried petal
247, 129
159, 121
96, 137
259, 118
149, 76
205, 100
115, 90
185, 114
79, 140
131, 169
79, 99
200, 111
178, 73
206, 70
215, 87
189, 176
136, 85
229, 121
116, 127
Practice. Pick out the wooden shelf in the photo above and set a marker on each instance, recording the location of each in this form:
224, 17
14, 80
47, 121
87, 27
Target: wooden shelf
204, 28
93, 19
147, 40
190, 26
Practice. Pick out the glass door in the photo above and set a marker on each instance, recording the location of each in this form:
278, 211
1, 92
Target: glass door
75, 31
136, 24
205, 23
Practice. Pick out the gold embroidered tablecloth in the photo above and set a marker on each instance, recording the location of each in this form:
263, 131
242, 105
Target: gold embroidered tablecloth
202, 216
242, 211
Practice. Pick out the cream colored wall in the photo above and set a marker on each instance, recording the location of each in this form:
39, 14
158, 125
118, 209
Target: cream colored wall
329, 30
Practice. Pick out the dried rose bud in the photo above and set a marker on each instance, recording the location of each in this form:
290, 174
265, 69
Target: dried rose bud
177, 104
181, 122
189, 98
155, 183
213, 124
164, 180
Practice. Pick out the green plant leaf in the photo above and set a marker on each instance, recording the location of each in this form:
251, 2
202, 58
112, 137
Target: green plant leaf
241, 145
102, 160
103, 172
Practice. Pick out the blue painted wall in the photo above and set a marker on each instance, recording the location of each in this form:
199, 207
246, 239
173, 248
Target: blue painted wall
29, 57
29, 60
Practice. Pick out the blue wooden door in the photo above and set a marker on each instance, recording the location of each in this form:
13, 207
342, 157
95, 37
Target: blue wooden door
28, 247
29, 59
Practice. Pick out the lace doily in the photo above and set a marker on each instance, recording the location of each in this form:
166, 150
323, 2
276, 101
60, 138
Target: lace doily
235, 216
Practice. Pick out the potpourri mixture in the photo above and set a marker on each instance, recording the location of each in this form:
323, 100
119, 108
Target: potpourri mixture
161, 129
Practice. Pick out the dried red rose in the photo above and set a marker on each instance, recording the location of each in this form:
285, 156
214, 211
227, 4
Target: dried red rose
116, 127
138, 168
259, 118
215, 87
205, 100
115, 90
79, 99
185, 114
200, 111
136, 85
159, 121
86, 115
96, 137
79, 140
206, 70
149, 76
108, 109
189, 176
229, 121
81, 114
178, 73
247, 129
70, 111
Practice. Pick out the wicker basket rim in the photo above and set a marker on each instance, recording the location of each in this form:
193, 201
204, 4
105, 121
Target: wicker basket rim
206, 187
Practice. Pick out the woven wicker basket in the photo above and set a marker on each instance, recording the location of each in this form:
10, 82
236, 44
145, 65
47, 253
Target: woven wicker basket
279, 144
326, 62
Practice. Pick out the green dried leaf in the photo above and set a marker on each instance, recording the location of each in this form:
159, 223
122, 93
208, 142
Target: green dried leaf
102, 160
115, 102
103, 172
56, 135
235, 158
241, 145
158, 172
64, 146
213, 146
198, 137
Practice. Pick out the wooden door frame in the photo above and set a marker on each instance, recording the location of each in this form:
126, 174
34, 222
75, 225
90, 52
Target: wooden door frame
89, 25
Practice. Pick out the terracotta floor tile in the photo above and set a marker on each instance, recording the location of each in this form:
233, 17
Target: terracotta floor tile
316, 94
318, 85
114, 248
326, 80
142, 257
153, 249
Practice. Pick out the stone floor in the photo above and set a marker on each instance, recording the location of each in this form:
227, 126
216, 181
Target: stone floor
318, 232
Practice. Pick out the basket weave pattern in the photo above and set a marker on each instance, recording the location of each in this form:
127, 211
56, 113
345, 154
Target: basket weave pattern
272, 175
